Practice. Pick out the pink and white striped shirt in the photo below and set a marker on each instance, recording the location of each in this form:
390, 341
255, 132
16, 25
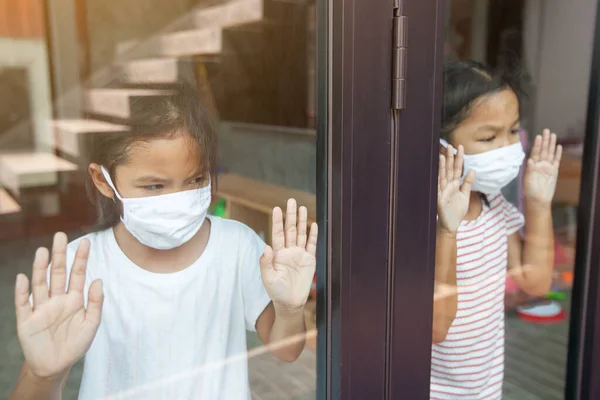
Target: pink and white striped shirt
469, 364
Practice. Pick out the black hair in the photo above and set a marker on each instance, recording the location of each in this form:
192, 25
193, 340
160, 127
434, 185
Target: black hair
182, 113
467, 81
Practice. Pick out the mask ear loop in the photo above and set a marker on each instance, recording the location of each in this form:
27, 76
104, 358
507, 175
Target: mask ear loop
110, 183
445, 143
112, 186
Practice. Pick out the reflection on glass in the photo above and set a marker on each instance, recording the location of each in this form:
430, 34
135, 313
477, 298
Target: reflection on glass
189, 270
500, 320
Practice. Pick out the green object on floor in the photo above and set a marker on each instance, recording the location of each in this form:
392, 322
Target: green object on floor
218, 209
556, 296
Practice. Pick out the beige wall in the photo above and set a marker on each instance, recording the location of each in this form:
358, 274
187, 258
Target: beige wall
31, 55
14, 110
113, 21
65, 58
558, 52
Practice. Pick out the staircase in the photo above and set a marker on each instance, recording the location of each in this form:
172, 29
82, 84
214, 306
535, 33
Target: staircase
247, 57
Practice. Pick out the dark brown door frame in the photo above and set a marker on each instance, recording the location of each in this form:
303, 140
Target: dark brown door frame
415, 163
322, 150
353, 331
583, 365
375, 309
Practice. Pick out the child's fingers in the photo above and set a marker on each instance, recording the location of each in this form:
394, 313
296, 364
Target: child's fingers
93, 312
278, 236
39, 276
266, 259
442, 173
458, 163
311, 245
290, 223
552, 148
536, 149
558, 156
22, 305
468, 183
450, 164
58, 272
302, 217
77, 279
267, 271
545, 144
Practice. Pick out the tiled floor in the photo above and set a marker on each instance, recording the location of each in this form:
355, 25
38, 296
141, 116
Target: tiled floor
535, 354
536, 358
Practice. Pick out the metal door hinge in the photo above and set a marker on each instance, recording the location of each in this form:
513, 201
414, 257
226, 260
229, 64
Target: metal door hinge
399, 61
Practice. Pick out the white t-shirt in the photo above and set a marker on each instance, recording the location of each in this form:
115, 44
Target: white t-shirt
180, 335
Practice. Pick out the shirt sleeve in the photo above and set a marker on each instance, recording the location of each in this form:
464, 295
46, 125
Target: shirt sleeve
513, 217
254, 294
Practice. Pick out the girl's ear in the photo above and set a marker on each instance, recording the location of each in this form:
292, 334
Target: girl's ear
99, 181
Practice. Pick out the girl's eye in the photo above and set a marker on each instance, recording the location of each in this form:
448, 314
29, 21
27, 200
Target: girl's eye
153, 187
197, 181
515, 131
488, 139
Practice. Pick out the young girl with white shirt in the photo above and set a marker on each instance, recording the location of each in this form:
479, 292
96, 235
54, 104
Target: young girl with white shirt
159, 300
478, 231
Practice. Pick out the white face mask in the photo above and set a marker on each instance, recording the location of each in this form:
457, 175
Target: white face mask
166, 221
495, 168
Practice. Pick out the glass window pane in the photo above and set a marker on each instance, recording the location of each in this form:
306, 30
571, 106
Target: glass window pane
171, 136
505, 248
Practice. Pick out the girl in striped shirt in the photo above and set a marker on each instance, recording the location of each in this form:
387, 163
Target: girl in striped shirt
478, 230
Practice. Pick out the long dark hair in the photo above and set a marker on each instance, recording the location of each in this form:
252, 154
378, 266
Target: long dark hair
467, 81
183, 113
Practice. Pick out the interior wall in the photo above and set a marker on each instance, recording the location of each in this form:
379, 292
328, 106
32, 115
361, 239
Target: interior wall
31, 55
277, 155
22, 18
479, 26
558, 52
65, 58
14, 109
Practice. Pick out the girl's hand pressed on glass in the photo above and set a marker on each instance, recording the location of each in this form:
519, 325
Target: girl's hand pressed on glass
288, 267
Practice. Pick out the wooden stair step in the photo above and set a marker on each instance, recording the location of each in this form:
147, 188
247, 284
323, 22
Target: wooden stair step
34, 169
195, 41
117, 102
70, 133
8, 205
161, 72
190, 42
152, 70
212, 19
230, 14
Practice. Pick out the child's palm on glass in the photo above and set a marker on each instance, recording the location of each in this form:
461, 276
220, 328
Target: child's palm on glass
288, 267
453, 197
58, 330
542, 168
